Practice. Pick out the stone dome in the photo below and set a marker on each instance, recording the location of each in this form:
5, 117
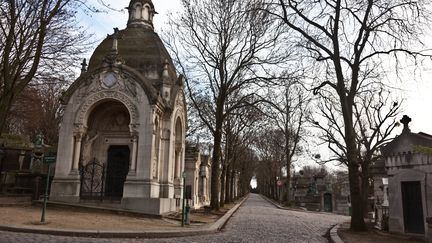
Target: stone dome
139, 48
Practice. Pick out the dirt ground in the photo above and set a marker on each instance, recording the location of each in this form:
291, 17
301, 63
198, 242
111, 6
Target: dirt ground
373, 236
77, 219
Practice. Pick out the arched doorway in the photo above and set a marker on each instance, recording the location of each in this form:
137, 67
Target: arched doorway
178, 156
108, 124
107, 143
178, 148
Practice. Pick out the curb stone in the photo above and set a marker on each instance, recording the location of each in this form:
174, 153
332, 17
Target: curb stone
295, 209
334, 235
214, 228
284, 208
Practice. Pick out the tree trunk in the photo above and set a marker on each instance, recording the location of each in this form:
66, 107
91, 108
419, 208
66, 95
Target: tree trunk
223, 186
357, 220
232, 186
365, 187
215, 177
287, 184
216, 163
6, 102
228, 185
3, 119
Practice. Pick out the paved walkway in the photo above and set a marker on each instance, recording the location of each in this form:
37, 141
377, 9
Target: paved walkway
256, 221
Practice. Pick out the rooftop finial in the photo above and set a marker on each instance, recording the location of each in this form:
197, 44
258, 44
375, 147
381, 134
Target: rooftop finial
165, 72
166, 79
116, 36
84, 66
405, 121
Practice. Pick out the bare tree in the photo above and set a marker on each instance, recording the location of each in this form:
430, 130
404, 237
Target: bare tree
239, 129
288, 112
269, 143
375, 119
223, 47
247, 162
347, 41
38, 38
37, 110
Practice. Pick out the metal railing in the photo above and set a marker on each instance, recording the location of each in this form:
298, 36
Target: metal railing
92, 181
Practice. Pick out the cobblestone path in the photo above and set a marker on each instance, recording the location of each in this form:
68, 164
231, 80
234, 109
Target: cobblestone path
256, 221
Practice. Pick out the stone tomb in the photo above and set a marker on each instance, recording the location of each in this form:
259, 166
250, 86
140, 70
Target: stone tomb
123, 131
197, 167
409, 172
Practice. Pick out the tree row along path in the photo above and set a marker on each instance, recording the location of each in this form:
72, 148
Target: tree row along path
256, 221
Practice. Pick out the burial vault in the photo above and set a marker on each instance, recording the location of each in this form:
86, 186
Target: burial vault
123, 131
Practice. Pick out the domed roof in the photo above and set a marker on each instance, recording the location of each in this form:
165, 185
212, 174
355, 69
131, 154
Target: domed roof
139, 52
139, 48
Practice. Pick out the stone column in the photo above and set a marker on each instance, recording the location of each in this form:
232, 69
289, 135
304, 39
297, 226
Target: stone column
77, 151
134, 153
165, 164
178, 163
178, 170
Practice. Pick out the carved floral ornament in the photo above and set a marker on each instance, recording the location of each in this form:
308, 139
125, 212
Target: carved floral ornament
92, 100
180, 109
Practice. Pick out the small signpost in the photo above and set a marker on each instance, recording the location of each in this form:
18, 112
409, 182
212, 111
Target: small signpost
279, 183
48, 160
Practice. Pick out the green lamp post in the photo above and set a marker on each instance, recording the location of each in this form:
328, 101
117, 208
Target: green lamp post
48, 160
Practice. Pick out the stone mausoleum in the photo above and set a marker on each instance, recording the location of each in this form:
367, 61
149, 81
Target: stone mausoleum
122, 138
408, 165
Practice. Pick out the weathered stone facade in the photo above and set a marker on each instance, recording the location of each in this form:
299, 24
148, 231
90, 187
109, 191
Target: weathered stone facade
197, 168
409, 172
127, 113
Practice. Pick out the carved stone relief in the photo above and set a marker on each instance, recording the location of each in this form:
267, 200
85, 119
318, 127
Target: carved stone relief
102, 95
180, 105
180, 100
109, 80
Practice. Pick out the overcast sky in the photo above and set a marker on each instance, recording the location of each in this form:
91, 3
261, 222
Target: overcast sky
103, 23
417, 92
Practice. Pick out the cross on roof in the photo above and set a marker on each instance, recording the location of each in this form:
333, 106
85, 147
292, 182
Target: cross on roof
405, 121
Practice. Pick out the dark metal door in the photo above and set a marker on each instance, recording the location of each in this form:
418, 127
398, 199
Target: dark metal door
328, 205
412, 207
117, 170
